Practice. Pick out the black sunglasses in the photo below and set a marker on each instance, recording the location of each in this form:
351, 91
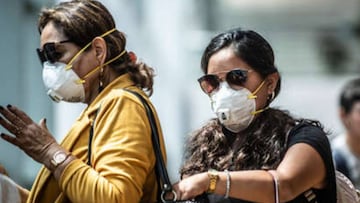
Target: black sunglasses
210, 82
49, 53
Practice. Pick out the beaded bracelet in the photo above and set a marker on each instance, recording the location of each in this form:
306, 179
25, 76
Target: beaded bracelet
228, 182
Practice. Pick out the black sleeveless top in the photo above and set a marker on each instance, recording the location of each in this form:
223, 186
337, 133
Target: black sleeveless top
315, 137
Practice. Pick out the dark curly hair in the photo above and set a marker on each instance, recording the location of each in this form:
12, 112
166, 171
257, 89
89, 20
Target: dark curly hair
83, 20
263, 144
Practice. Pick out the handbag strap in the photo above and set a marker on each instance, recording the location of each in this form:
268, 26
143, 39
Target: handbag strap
160, 167
91, 134
276, 185
161, 171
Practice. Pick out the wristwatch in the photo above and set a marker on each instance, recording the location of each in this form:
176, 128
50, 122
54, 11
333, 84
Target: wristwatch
213, 178
58, 158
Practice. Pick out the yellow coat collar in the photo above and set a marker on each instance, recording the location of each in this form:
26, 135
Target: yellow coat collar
121, 82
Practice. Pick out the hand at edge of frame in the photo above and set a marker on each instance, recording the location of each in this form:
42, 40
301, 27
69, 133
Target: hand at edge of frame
34, 139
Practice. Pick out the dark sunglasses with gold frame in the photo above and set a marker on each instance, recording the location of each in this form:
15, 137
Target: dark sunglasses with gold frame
211, 82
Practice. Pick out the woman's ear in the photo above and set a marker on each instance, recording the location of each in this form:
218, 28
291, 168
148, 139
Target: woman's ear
99, 45
271, 82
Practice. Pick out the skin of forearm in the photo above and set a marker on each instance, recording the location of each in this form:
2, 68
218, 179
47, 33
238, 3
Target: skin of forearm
248, 185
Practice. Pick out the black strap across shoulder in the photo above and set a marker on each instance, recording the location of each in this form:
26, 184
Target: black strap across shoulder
164, 183
90, 138
160, 164
160, 168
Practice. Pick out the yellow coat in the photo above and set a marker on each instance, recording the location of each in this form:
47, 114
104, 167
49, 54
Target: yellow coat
122, 154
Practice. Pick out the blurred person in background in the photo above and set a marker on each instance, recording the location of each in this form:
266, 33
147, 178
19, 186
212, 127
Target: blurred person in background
253, 152
346, 146
107, 156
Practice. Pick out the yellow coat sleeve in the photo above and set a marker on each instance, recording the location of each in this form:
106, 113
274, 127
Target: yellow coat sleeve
122, 156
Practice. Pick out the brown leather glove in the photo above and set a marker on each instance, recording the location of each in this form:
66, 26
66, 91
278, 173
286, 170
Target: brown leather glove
34, 139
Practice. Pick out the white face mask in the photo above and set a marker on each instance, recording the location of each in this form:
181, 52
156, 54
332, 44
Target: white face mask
235, 109
62, 83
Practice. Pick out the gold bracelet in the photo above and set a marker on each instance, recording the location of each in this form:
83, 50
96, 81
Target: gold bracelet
213, 178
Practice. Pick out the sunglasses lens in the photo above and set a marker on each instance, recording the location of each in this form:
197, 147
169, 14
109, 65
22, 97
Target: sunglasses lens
41, 56
236, 77
50, 52
209, 83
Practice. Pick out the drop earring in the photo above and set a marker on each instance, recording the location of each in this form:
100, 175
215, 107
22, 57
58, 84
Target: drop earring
101, 76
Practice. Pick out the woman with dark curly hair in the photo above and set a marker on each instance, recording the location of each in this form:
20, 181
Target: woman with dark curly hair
107, 156
252, 152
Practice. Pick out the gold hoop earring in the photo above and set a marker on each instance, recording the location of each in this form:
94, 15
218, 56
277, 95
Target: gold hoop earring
271, 96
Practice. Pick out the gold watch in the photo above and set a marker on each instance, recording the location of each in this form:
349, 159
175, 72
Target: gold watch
213, 178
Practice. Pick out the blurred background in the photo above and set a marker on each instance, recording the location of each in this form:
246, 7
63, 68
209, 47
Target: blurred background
316, 44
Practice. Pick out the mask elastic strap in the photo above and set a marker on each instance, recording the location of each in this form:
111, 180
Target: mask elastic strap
81, 81
253, 95
259, 111
69, 65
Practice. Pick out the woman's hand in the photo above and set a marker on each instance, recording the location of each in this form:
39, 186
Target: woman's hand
35, 140
192, 186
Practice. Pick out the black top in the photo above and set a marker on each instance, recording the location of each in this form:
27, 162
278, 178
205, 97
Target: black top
315, 137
